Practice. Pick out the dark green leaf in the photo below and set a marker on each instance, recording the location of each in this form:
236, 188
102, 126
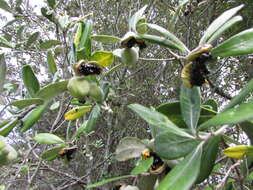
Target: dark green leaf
105, 38
218, 23
171, 146
105, 181
51, 62
4, 131
84, 47
231, 116
238, 44
129, 147
241, 96
3, 123
170, 36
190, 106
30, 80
52, 90
5, 43
26, 102
32, 117
48, 14
4, 5
184, 174
48, 138
147, 182
51, 3
143, 166
3, 69
93, 117
209, 155
247, 127
49, 44
20, 31
32, 38
159, 121
52, 153
213, 103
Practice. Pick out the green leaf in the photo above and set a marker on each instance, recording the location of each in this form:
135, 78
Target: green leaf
30, 80
93, 117
241, 96
209, 156
51, 153
104, 58
77, 112
147, 182
173, 111
32, 117
105, 181
158, 121
141, 27
231, 116
51, 3
171, 146
160, 41
52, 90
26, 102
4, 131
218, 23
190, 106
213, 103
32, 38
83, 50
170, 36
3, 69
51, 62
48, 138
4, 5
105, 38
239, 151
223, 28
55, 105
48, 14
129, 147
49, 44
3, 123
135, 19
20, 31
239, 44
247, 128
184, 174
5, 43
143, 166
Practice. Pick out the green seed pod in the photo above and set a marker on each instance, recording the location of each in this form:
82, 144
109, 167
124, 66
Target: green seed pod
130, 56
96, 92
78, 87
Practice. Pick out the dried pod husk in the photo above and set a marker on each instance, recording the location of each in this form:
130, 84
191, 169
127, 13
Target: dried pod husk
96, 93
130, 39
130, 56
158, 166
78, 87
206, 48
85, 68
67, 152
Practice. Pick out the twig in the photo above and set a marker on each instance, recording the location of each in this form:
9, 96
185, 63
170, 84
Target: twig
218, 90
153, 59
83, 177
224, 180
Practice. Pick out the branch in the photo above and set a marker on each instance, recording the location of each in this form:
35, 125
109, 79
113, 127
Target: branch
224, 180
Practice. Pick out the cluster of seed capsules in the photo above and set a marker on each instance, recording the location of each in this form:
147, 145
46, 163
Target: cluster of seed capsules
195, 72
